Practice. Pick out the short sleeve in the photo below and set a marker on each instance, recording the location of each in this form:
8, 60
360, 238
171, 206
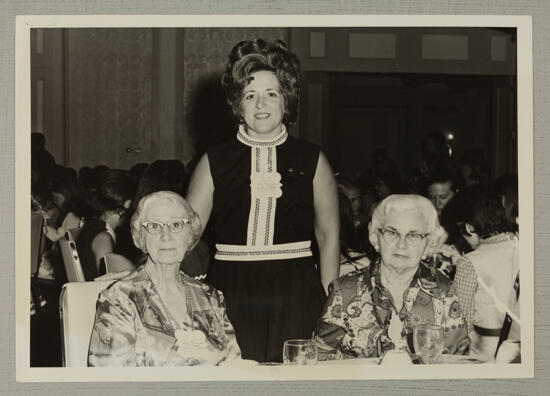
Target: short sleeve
330, 330
114, 334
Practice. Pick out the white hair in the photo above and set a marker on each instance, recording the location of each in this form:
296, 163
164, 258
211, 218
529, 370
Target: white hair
403, 203
148, 200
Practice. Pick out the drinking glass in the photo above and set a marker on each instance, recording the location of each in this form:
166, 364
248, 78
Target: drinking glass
300, 352
429, 342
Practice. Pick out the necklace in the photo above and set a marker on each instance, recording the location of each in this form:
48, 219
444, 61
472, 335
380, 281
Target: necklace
187, 339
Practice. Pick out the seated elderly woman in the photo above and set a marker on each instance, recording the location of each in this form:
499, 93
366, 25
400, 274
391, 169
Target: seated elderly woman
157, 315
373, 310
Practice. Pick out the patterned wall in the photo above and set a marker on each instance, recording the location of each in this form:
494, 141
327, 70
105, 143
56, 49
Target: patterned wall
109, 95
207, 117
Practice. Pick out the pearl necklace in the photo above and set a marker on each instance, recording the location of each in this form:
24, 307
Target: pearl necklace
186, 340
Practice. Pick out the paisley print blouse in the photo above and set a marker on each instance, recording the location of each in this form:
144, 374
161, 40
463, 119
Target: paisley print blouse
358, 312
132, 327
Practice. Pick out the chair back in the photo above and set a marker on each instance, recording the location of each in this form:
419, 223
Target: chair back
117, 263
37, 241
74, 233
71, 260
77, 306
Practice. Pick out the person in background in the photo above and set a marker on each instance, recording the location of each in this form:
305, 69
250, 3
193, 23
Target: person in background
505, 188
68, 196
472, 168
353, 194
39, 152
137, 170
352, 257
157, 315
108, 204
453, 218
436, 154
373, 310
441, 187
267, 194
487, 279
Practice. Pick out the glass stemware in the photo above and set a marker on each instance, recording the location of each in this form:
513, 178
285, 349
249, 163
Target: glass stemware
300, 352
429, 342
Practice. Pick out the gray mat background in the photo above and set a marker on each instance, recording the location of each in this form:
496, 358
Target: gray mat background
540, 10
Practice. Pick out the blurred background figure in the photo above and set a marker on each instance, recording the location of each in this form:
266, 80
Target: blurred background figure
353, 194
68, 197
108, 205
473, 169
441, 187
487, 278
353, 256
505, 188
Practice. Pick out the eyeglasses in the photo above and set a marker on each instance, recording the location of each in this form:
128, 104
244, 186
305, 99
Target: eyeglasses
412, 238
174, 226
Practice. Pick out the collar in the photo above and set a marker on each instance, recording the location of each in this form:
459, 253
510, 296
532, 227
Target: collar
503, 237
243, 137
425, 278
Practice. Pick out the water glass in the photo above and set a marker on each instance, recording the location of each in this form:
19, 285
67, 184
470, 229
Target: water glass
429, 342
300, 352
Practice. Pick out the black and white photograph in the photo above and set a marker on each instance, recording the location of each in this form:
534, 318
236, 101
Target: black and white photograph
274, 197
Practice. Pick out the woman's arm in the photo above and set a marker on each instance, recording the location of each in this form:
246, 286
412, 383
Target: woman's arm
327, 221
101, 245
200, 193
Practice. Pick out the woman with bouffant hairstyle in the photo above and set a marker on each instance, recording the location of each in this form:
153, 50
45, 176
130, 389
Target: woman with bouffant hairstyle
251, 56
267, 194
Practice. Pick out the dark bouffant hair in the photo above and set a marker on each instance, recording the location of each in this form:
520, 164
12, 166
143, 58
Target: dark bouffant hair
251, 56
114, 189
167, 175
489, 218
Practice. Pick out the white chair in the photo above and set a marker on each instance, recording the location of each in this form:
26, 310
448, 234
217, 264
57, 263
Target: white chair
117, 263
71, 261
77, 306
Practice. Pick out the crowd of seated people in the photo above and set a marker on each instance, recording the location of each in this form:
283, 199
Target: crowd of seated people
476, 256
96, 204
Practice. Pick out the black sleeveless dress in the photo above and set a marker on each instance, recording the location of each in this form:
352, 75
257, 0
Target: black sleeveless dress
263, 218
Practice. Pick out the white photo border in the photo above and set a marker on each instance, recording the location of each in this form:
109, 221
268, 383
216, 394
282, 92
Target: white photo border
25, 373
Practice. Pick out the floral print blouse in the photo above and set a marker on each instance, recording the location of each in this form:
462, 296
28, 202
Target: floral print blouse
357, 315
132, 327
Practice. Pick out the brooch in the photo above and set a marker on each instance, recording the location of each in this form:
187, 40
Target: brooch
266, 184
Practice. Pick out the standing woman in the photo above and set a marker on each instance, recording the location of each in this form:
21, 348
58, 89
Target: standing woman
267, 194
